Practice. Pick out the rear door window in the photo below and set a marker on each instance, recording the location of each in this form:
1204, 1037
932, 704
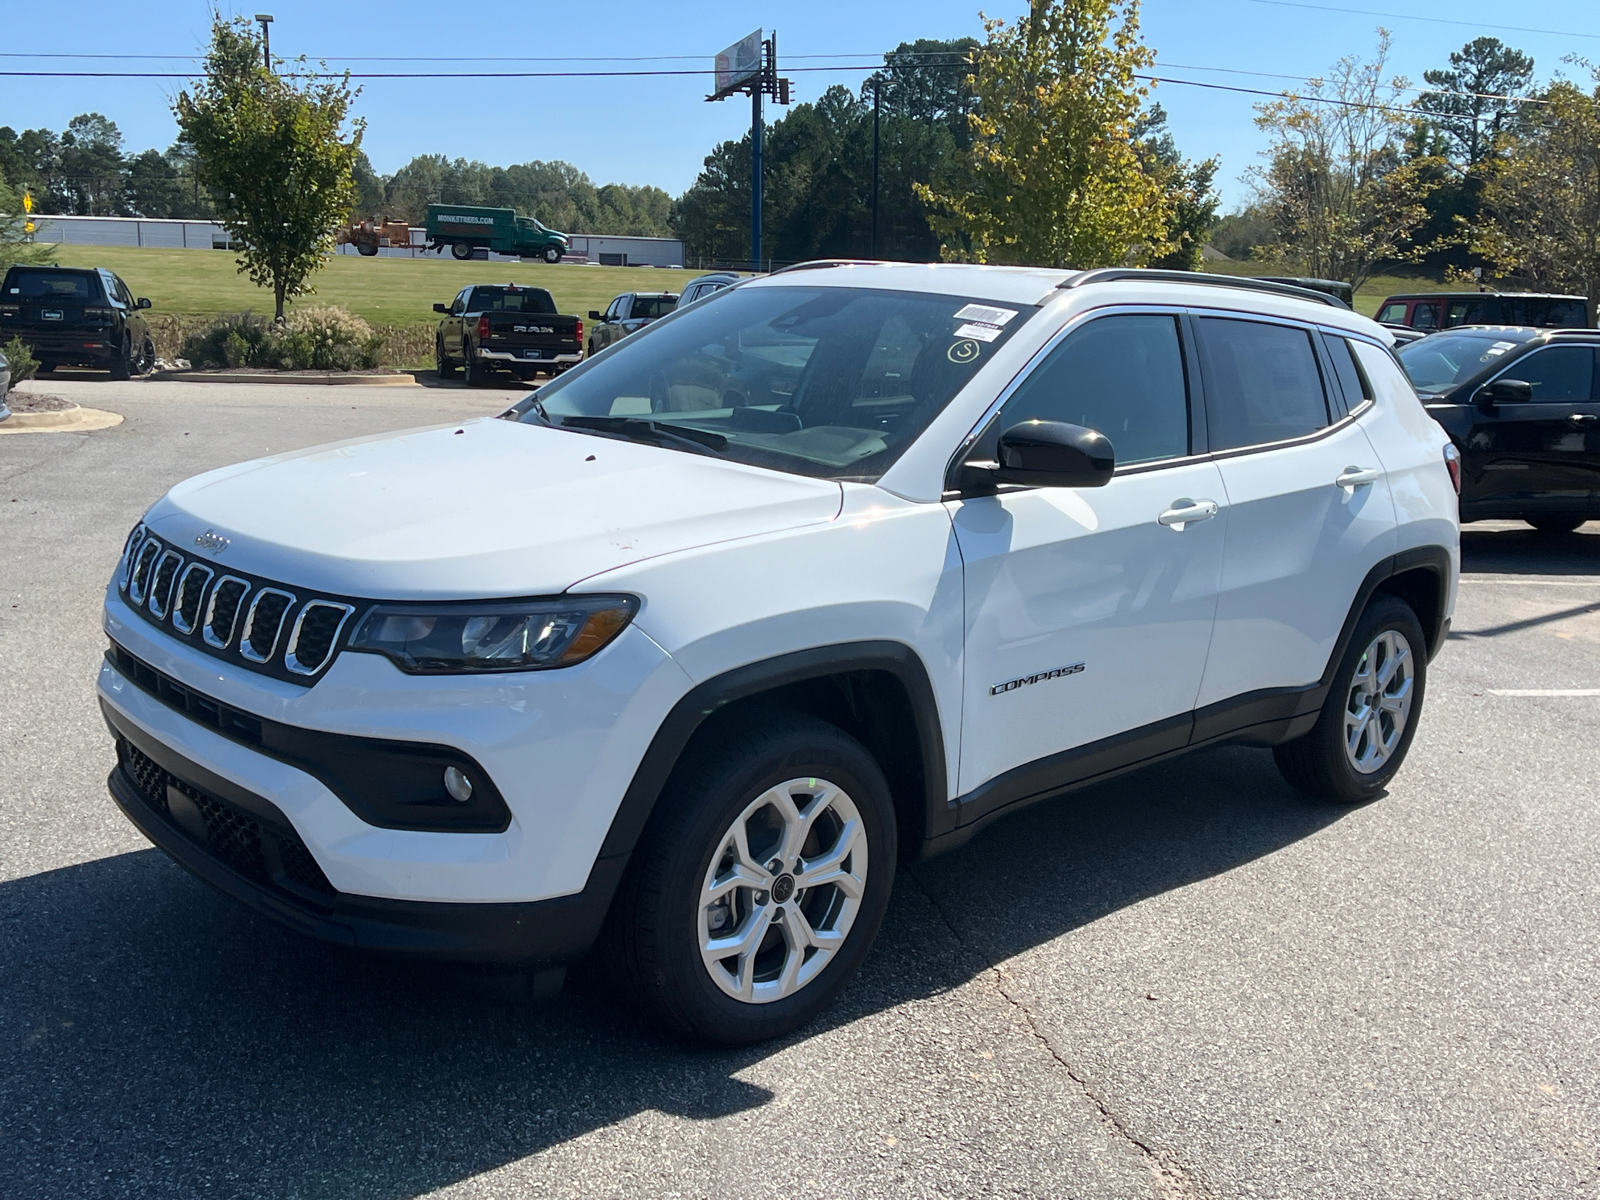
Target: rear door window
1352, 379
1393, 313
1425, 316
1262, 382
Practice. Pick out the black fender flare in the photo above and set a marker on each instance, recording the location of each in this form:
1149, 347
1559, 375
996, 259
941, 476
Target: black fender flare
704, 699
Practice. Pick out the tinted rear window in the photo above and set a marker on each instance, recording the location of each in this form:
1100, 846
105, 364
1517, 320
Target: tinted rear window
62, 286
1263, 384
526, 300
653, 306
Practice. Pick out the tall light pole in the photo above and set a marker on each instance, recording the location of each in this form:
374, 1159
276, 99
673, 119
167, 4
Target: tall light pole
265, 20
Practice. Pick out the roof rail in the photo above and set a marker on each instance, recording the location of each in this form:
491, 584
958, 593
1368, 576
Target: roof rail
817, 264
1244, 283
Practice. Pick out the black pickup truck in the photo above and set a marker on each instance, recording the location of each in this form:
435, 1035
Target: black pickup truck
493, 327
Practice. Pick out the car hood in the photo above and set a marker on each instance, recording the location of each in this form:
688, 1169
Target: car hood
488, 508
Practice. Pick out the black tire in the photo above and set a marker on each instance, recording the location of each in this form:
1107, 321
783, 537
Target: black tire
147, 357
477, 373
122, 364
460, 250
653, 932
552, 254
448, 368
366, 250
1318, 763
1554, 524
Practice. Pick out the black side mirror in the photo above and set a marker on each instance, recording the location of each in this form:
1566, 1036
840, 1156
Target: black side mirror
1054, 454
594, 315
442, 308
1506, 391
142, 302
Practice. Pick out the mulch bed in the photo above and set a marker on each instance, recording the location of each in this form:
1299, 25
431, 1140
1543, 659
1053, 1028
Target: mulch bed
32, 402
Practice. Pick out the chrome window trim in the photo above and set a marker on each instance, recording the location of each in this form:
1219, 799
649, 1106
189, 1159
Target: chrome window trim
211, 608
159, 611
246, 652
177, 592
291, 660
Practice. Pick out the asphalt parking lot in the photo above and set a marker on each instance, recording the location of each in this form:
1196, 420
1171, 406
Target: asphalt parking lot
1190, 982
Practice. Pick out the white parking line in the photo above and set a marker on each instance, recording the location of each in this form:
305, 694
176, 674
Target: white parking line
1544, 691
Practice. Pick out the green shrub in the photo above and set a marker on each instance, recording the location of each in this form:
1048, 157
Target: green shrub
20, 355
313, 339
232, 340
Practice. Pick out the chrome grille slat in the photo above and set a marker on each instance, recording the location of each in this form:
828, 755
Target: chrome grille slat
148, 550
318, 640
186, 608
130, 553
162, 581
231, 590
274, 616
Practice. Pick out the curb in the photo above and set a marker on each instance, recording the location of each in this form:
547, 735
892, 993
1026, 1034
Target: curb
71, 420
322, 378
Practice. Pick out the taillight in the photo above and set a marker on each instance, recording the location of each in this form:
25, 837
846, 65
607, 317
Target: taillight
577, 332
1452, 463
483, 329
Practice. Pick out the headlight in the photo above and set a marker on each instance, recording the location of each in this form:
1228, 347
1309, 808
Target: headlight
510, 635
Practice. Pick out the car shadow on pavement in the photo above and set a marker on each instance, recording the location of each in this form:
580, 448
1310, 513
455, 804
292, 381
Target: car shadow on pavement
1516, 549
165, 1041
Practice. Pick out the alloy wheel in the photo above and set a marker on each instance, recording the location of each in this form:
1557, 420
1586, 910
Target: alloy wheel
1379, 703
783, 889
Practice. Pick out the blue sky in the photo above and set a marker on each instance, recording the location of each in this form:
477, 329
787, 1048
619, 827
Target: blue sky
657, 130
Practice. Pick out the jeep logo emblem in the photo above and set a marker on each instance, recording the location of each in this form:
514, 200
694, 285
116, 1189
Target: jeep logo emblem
212, 540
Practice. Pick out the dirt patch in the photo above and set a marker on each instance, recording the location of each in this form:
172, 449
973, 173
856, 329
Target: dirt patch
31, 402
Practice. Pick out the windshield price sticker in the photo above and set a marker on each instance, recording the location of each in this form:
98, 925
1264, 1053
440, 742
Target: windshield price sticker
985, 314
979, 330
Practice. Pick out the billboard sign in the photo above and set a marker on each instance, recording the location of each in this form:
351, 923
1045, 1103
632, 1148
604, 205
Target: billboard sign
738, 64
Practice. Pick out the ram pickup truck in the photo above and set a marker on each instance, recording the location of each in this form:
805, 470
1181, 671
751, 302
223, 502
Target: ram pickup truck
465, 228
492, 327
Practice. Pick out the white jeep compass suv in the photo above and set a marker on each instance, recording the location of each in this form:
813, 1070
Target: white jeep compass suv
683, 654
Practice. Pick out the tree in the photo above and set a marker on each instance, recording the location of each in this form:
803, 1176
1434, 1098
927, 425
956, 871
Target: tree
16, 243
273, 153
1245, 234
1339, 189
1473, 107
1190, 190
1056, 176
92, 166
370, 193
1540, 217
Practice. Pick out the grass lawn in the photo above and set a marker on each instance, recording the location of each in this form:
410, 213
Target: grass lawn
391, 291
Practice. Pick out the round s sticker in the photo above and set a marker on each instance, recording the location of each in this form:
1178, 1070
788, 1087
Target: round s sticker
963, 351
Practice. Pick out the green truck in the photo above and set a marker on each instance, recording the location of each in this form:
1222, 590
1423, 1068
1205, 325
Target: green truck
465, 227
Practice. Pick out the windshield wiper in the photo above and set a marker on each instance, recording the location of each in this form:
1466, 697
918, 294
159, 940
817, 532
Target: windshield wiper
659, 432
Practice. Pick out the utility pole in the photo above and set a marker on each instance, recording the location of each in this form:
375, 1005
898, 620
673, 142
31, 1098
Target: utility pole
751, 65
877, 104
265, 19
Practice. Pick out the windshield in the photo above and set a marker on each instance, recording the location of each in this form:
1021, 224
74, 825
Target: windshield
497, 299
824, 381
52, 285
1438, 363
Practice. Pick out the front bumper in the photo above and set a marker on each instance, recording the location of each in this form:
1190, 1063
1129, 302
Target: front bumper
243, 845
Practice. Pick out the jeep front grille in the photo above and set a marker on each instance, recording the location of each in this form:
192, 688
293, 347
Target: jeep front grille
249, 621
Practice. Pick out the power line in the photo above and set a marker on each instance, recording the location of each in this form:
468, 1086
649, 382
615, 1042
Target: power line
1365, 12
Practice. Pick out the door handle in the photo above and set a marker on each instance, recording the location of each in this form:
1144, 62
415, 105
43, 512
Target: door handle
1583, 418
1354, 477
1186, 512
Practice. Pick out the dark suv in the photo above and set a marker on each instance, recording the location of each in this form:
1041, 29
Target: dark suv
84, 317
1445, 310
1523, 407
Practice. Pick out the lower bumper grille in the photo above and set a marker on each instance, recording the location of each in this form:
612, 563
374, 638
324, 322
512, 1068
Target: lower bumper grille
241, 841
